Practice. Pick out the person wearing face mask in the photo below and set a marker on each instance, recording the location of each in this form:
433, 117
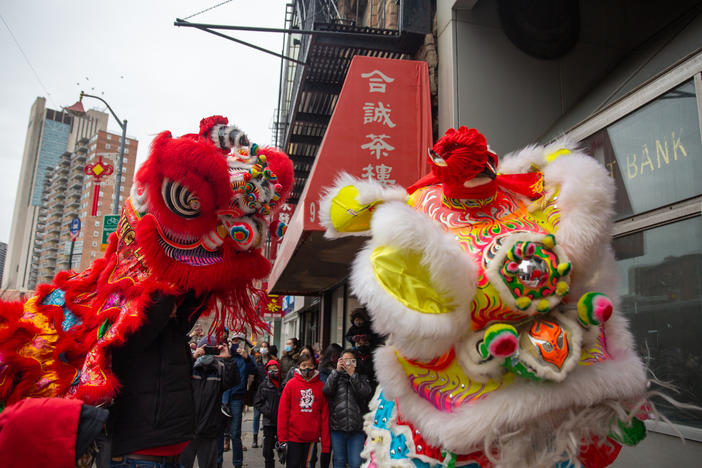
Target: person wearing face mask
266, 402
303, 414
364, 359
305, 351
261, 360
348, 393
360, 325
328, 362
290, 355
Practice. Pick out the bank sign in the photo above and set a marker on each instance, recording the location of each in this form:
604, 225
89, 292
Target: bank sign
657, 154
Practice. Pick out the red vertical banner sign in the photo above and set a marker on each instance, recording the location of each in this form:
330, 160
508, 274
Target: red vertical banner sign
380, 129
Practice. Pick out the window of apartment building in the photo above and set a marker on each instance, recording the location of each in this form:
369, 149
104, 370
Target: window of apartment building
94, 244
650, 142
96, 233
97, 223
109, 137
126, 151
107, 146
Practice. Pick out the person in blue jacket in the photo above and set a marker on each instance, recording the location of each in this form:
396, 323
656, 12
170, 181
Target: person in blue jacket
233, 399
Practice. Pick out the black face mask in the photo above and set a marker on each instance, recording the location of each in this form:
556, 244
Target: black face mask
273, 374
306, 373
363, 349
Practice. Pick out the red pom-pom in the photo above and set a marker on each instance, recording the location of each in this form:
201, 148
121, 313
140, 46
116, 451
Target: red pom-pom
207, 123
465, 152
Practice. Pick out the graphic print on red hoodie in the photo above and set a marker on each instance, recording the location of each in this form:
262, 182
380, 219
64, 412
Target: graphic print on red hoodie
303, 414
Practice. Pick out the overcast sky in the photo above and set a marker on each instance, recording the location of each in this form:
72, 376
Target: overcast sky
155, 75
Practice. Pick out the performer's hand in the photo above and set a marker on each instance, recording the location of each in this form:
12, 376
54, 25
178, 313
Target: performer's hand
224, 351
339, 365
199, 352
242, 352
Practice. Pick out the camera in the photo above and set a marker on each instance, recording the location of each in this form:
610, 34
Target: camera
212, 350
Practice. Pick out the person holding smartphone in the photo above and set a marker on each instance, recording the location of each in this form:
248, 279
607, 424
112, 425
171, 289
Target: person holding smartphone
233, 399
213, 373
348, 392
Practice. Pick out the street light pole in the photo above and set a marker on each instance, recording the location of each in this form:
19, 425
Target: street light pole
123, 125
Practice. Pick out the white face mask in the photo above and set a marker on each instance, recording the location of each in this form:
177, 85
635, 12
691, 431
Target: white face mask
264, 351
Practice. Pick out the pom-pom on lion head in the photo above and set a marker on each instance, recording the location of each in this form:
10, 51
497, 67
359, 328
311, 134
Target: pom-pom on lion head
461, 155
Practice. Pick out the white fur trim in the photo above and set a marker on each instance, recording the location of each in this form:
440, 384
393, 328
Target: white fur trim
139, 202
451, 270
369, 191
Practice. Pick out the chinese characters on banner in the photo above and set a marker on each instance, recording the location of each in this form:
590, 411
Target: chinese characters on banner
380, 130
377, 118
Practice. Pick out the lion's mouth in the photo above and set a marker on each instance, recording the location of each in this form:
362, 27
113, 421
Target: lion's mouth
194, 256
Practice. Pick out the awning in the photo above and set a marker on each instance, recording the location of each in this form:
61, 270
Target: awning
380, 129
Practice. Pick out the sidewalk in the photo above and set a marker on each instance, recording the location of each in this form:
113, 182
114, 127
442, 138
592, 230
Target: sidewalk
253, 457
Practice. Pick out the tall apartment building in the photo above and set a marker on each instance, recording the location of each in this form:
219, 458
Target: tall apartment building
103, 145
3, 254
68, 194
50, 134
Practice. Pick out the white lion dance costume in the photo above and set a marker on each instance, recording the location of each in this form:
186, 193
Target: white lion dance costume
505, 345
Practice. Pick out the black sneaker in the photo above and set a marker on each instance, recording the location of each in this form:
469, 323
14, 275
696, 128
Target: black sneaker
225, 411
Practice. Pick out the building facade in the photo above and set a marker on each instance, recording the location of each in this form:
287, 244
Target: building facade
67, 194
624, 80
3, 255
308, 96
50, 134
103, 148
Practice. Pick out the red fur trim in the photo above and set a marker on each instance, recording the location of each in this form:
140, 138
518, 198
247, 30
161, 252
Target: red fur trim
207, 123
197, 165
236, 268
238, 309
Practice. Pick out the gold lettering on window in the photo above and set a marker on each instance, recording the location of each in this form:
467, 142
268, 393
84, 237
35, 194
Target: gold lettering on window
676, 145
636, 163
610, 166
631, 164
646, 159
661, 152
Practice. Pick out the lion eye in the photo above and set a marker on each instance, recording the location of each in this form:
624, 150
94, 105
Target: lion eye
179, 199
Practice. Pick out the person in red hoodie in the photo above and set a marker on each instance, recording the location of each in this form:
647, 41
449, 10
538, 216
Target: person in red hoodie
303, 414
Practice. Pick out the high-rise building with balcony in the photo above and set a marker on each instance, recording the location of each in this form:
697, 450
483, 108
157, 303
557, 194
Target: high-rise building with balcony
68, 194
103, 146
3, 253
50, 135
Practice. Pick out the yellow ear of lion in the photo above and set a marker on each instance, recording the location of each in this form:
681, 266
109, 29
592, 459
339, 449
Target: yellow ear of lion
347, 214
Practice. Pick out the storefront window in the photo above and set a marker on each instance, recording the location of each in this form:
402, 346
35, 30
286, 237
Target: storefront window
660, 272
654, 154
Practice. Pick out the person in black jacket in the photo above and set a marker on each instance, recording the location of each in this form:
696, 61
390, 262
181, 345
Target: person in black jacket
211, 376
154, 411
267, 400
348, 392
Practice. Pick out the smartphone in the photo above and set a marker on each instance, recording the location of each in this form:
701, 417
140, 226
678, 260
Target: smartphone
212, 350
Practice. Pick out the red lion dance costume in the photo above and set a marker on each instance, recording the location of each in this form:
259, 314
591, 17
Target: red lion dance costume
199, 210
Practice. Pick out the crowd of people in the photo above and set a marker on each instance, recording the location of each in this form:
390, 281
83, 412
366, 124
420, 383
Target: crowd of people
309, 403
